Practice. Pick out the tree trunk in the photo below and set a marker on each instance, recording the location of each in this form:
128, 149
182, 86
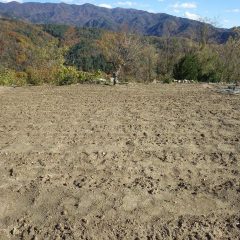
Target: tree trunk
116, 75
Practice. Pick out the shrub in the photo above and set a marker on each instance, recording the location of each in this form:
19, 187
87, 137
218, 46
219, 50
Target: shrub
83, 76
38, 76
9, 77
211, 76
21, 78
35, 76
67, 75
92, 77
187, 68
167, 79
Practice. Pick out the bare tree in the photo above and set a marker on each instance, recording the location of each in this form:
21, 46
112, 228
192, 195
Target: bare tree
121, 49
147, 64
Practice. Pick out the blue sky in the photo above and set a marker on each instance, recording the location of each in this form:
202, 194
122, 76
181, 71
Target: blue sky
226, 13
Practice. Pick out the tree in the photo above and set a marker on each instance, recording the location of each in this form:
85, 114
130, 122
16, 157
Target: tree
205, 29
210, 64
187, 68
169, 53
87, 57
230, 58
121, 49
147, 69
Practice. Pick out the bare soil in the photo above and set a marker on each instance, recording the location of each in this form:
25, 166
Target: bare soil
125, 162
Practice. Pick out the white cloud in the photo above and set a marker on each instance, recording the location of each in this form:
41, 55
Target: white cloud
7, 1
105, 5
236, 10
192, 16
226, 21
70, 1
127, 3
185, 5
176, 10
151, 11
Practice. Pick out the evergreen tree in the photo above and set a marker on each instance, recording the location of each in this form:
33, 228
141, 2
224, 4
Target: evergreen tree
187, 68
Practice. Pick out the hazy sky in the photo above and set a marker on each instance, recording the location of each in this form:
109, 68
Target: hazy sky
225, 12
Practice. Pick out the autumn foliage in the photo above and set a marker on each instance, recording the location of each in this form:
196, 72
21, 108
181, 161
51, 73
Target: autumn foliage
59, 54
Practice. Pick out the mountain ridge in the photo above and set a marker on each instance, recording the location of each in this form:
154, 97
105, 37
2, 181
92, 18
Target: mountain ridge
89, 15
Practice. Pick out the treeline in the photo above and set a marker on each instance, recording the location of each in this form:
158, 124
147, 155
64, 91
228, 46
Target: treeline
58, 54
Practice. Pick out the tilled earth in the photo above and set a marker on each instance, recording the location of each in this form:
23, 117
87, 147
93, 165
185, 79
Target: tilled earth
125, 162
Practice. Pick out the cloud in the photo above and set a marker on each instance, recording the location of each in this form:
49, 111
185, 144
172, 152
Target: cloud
105, 5
185, 5
192, 16
151, 11
7, 1
235, 10
176, 10
127, 3
226, 21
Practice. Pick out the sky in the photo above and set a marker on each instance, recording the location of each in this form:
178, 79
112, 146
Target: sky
223, 13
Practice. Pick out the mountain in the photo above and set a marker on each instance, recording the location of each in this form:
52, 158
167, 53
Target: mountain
88, 15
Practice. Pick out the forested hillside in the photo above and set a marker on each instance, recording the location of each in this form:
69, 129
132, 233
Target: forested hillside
20, 43
60, 54
88, 15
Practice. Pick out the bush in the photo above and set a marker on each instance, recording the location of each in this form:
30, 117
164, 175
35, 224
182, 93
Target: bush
187, 68
211, 76
9, 77
92, 77
61, 75
83, 76
35, 76
21, 78
204, 67
67, 75
38, 76
167, 79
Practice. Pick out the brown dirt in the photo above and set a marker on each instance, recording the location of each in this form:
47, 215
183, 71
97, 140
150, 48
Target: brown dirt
124, 162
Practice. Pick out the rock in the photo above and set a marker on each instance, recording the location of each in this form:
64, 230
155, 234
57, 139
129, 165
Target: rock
14, 231
59, 226
154, 81
84, 220
11, 172
64, 212
104, 154
57, 237
238, 224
